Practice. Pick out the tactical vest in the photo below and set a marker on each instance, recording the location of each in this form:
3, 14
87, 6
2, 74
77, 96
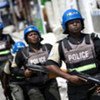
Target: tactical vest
80, 57
5, 52
38, 58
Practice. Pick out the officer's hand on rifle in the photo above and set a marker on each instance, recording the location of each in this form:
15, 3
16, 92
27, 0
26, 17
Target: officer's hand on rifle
28, 73
77, 80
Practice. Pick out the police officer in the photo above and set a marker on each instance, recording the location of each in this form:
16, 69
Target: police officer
6, 43
38, 85
80, 52
11, 83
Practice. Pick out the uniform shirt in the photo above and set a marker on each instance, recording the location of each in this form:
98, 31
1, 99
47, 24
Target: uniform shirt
56, 54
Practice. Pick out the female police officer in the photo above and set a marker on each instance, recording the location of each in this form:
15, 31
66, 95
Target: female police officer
38, 86
80, 52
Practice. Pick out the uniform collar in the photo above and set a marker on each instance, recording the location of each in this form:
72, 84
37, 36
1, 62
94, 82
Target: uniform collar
76, 40
31, 50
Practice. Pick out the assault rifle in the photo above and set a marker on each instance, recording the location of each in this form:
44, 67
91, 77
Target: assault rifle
39, 68
87, 77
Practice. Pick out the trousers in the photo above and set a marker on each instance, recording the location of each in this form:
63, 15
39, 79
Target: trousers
48, 91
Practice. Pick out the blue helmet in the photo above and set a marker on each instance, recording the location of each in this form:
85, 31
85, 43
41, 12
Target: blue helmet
1, 25
17, 46
29, 29
69, 15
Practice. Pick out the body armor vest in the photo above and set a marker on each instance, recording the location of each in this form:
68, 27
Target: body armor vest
39, 57
80, 57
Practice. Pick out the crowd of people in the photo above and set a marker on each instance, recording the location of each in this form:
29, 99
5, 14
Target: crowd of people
79, 51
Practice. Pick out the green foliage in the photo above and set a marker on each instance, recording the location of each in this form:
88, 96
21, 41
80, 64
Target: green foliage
43, 1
